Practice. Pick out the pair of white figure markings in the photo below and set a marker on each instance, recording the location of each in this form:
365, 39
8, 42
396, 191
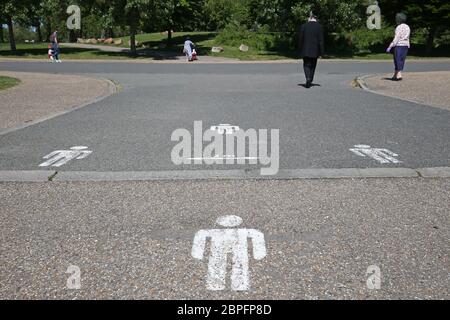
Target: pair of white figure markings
60, 157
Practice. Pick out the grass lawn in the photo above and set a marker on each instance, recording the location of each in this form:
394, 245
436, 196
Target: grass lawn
155, 46
40, 51
204, 41
8, 82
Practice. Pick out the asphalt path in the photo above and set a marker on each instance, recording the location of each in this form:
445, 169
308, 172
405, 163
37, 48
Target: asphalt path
131, 130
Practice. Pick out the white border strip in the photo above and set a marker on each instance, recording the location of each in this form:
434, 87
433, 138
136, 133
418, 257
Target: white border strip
285, 174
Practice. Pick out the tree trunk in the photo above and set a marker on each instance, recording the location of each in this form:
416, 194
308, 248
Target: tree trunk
12, 41
2, 38
39, 31
72, 36
430, 40
110, 33
133, 38
48, 27
169, 36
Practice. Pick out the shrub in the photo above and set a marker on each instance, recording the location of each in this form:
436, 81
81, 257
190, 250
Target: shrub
369, 41
235, 34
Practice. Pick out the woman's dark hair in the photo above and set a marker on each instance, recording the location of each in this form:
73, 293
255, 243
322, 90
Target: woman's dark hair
400, 18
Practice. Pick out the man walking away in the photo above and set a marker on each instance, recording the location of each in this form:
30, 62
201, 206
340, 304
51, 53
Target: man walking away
311, 45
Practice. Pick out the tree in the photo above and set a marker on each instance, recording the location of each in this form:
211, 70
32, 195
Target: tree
434, 15
33, 16
47, 11
431, 15
9, 11
222, 12
130, 13
176, 14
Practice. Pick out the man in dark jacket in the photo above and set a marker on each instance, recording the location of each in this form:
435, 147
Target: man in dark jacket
311, 45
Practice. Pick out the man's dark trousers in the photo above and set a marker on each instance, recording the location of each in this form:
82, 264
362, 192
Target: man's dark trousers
311, 45
309, 66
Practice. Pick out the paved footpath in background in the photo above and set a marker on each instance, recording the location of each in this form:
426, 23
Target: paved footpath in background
151, 55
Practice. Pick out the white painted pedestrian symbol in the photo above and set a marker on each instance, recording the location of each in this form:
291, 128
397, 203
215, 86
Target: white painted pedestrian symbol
225, 129
59, 157
379, 154
229, 242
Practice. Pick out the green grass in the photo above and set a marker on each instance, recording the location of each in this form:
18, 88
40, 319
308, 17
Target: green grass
40, 51
8, 82
155, 47
204, 41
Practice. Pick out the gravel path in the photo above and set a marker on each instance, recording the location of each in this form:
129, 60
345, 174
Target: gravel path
430, 88
42, 95
133, 240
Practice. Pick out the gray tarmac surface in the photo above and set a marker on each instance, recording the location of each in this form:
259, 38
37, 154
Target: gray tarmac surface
130, 131
133, 239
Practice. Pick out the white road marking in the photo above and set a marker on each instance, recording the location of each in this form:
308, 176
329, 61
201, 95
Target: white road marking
379, 154
225, 129
225, 242
227, 145
60, 157
225, 157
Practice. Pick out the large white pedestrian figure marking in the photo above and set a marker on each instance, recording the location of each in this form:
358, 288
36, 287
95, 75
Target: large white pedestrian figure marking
231, 242
59, 157
379, 154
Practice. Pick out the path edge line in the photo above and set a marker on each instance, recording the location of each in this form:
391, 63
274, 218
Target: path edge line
174, 175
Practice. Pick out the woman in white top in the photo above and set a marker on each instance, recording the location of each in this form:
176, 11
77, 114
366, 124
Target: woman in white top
400, 45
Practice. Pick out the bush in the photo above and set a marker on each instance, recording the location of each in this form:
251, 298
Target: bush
261, 39
370, 41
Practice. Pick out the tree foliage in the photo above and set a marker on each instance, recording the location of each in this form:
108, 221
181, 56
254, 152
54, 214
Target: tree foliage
109, 18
